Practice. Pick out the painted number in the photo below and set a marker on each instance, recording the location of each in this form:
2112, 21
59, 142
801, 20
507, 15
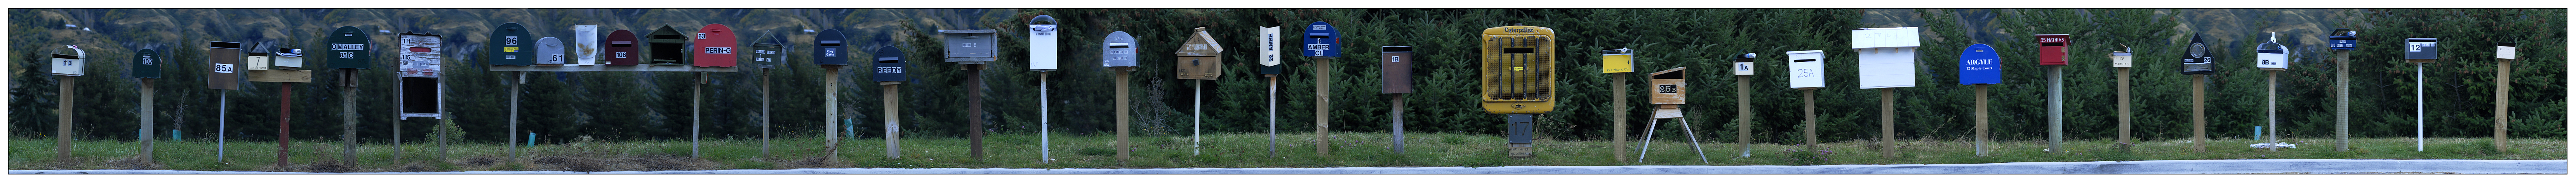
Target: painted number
510, 40
1806, 73
223, 68
1668, 89
889, 70
147, 61
719, 50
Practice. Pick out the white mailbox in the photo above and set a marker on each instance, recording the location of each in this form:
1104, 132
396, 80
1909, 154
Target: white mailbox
1807, 69
70, 61
289, 59
2504, 50
2271, 55
1744, 64
1886, 56
1042, 32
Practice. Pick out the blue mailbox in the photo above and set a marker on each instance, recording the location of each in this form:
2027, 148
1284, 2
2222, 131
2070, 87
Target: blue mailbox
1118, 50
1322, 41
828, 49
889, 65
2343, 39
511, 45
1979, 65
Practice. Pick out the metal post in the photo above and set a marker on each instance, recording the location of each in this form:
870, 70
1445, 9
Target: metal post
2124, 108
1887, 123
1619, 118
1323, 107
1981, 120
1044, 155
63, 122
1398, 114
2419, 107
2271, 108
2056, 109
146, 141
1274, 113
2343, 100
831, 110
521, 78
1122, 111
2199, 114
285, 96
1694, 139
1743, 114
1649, 141
1198, 112
222, 102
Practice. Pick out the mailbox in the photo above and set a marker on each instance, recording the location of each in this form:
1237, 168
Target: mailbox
70, 61
1618, 61
1981, 65
2122, 58
828, 48
223, 65
1669, 88
511, 45
1518, 69
2197, 58
1322, 41
2503, 50
2271, 55
666, 47
550, 51
889, 65
1269, 50
2343, 39
349, 49
585, 45
257, 59
2422, 50
622, 48
767, 53
1042, 32
971, 47
419, 70
1744, 64
2052, 49
1807, 69
1200, 56
147, 64
1119, 50
1396, 69
288, 59
715, 47
1886, 56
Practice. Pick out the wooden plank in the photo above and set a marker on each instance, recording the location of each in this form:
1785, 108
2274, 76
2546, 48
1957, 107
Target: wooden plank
614, 68
289, 76
1122, 111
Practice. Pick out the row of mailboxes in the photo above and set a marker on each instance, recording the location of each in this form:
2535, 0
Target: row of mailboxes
1200, 56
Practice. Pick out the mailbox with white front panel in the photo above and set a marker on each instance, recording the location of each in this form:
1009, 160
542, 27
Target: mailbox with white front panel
288, 59
2343, 39
349, 49
767, 53
1806, 69
1396, 69
1322, 41
1886, 56
1744, 64
511, 45
1618, 61
550, 51
715, 48
1980, 65
585, 45
70, 61
147, 64
257, 59
1200, 56
2052, 49
2123, 58
829, 48
2271, 55
1042, 33
889, 66
2504, 50
223, 65
623, 49
2422, 50
2197, 59
1118, 50
971, 47
666, 46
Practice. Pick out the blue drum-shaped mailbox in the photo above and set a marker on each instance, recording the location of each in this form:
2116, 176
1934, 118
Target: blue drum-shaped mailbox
147, 64
829, 49
1042, 33
1980, 65
348, 49
1119, 50
623, 49
70, 61
2196, 59
889, 65
1322, 41
550, 51
511, 45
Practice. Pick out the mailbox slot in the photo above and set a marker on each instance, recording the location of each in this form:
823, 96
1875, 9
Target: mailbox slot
1396, 69
350, 49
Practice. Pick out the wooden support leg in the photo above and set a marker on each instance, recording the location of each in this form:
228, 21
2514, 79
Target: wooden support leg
1981, 120
146, 114
894, 122
1743, 115
975, 111
63, 122
2124, 109
285, 96
348, 117
1323, 107
1398, 113
1810, 101
831, 112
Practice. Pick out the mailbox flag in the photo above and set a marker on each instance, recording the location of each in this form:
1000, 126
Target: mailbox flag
1979, 65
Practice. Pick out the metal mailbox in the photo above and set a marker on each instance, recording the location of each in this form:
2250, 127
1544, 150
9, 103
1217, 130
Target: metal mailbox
1980, 65
70, 61
1669, 88
1118, 50
828, 49
1618, 61
2422, 50
511, 45
1886, 56
1042, 49
349, 48
1323, 41
223, 65
622, 48
1807, 69
2271, 55
288, 59
889, 65
665, 46
2343, 39
1201, 57
2122, 58
585, 45
1518, 69
147, 64
1269, 50
2052, 49
550, 51
1396, 69
715, 47
767, 53
971, 47
1744, 64
2197, 58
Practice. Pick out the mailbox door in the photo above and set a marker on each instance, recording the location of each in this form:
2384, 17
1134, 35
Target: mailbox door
766, 55
2422, 50
889, 66
1396, 69
623, 49
1118, 50
511, 45
1042, 49
665, 46
147, 64
1200, 57
1980, 65
550, 51
1269, 50
1806, 69
223, 65
829, 49
420, 55
1618, 61
2052, 49
348, 49
1322, 40
68, 61
715, 47
1669, 86
585, 45
970, 46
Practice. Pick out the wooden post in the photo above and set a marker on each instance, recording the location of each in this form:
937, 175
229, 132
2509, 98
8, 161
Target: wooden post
2056, 109
1122, 111
831, 111
697, 112
1887, 123
1274, 113
285, 96
2503, 79
63, 122
1810, 100
1323, 107
146, 155
348, 116
1743, 114
1399, 122
2124, 108
1982, 119
894, 122
2343, 100
2271, 110
2199, 115
764, 113
521, 78
1619, 118
975, 111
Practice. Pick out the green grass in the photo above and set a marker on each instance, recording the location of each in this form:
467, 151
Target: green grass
1219, 150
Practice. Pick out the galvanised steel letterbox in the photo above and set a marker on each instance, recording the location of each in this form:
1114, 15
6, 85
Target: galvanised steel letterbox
289, 59
2052, 49
585, 45
1744, 64
1806, 69
829, 49
1669, 86
1118, 50
2197, 58
1269, 51
665, 46
1618, 61
1981, 65
767, 53
1042, 33
971, 47
2422, 50
2122, 58
70, 61
1396, 69
715, 47
550, 51
1322, 41
223, 65
1200, 56
2343, 39
2271, 55
511, 45
623, 49
889, 65
147, 64
349, 49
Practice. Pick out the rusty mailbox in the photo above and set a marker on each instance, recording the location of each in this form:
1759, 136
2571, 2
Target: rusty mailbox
2052, 49
2422, 50
550, 51
511, 45
665, 46
348, 49
70, 61
1200, 56
971, 47
889, 65
223, 65
1396, 68
715, 47
829, 49
1118, 50
147, 64
1669, 88
2197, 58
419, 69
622, 48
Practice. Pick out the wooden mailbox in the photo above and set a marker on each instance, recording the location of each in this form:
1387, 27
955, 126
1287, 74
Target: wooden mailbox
349, 49
1669, 86
1396, 69
1886, 56
623, 49
257, 59
1200, 56
715, 47
665, 46
511, 45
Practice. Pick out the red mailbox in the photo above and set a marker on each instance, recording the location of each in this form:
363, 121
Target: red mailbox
2052, 49
622, 48
715, 46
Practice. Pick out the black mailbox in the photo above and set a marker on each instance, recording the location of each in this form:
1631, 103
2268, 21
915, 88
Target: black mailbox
2422, 50
2197, 59
889, 64
767, 53
828, 49
348, 49
666, 47
511, 45
147, 64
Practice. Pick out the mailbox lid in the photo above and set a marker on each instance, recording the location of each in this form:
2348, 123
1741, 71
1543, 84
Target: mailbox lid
1806, 69
420, 55
715, 47
511, 45
1669, 86
1886, 56
1322, 40
1890, 37
1200, 56
2052, 49
550, 51
1042, 44
2422, 50
1118, 50
1979, 64
1618, 61
1395, 68
70, 61
623, 48
970, 46
147, 64
889, 64
666, 46
349, 49
223, 65
830, 48
767, 54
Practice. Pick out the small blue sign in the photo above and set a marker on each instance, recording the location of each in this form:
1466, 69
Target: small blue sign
1979, 65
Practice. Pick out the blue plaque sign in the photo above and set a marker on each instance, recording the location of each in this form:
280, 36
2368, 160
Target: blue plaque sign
1979, 65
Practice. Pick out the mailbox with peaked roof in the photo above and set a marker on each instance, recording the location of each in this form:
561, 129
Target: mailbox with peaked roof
1269, 51
1323, 41
2196, 59
1886, 56
223, 65
289, 58
1980, 65
2052, 49
550, 51
1396, 69
889, 65
147, 64
767, 53
1042, 33
829, 48
2271, 55
70, 61
585, 45
715, 47
665, 46
1200, 56
2343, 39
1669, 88
2422, 50
623, 49
1806, 69
349, 48
511, 45
971, 47
1618, 61
257, 59
1118, 50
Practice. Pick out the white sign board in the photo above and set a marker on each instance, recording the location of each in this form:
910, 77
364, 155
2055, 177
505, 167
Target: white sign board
2504, 52
585, 44
1269, 46
1807, 69
1886, 56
